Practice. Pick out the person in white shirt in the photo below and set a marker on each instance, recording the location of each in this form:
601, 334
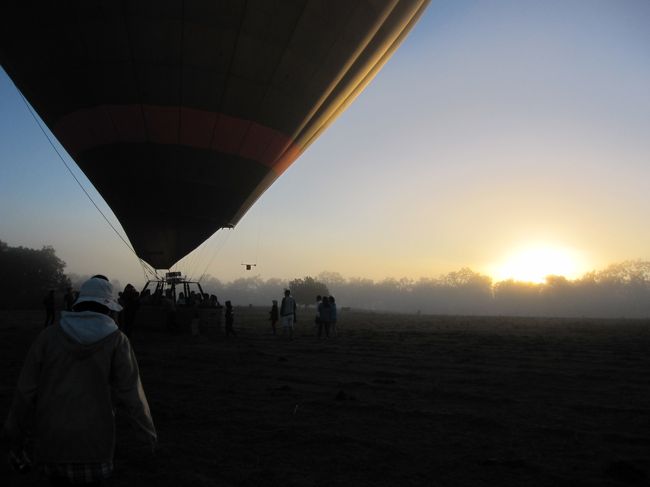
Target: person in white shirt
288, 314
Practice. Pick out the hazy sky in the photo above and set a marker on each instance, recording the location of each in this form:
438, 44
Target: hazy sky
498, 128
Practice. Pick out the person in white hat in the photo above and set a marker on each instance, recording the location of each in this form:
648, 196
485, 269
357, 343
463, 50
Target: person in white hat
64, 399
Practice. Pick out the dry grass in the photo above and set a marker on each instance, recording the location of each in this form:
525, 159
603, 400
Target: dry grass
395, 400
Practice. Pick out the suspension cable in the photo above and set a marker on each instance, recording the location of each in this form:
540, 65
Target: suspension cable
40, 126
217, 250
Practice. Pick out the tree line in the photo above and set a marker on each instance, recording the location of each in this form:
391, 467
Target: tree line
620, 290
28, 274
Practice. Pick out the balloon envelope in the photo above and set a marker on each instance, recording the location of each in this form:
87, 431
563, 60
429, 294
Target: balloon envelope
182, 113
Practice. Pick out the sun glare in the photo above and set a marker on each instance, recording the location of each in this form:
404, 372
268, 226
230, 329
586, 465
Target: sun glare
535, 263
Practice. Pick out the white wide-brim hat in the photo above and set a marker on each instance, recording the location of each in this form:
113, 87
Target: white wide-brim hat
100, 291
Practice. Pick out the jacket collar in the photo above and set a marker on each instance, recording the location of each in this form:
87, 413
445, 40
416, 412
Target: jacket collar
87, 327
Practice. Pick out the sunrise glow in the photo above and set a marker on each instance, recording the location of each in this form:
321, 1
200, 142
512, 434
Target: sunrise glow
533, 264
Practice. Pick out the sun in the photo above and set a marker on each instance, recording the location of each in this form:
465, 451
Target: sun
533, 264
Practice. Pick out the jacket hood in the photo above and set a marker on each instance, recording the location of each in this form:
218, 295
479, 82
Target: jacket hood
87, 327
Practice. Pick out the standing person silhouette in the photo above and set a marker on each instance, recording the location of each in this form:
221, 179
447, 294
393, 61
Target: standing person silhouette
230, 320
319, 298
333, 316
73, 373
324, 313
130, 303
288, 314
274, 315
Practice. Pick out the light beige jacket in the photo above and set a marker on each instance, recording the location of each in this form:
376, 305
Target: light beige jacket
66, 391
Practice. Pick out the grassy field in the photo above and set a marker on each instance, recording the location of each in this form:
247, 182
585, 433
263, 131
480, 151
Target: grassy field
394, 400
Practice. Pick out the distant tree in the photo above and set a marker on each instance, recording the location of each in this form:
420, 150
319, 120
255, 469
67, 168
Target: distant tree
331, 279
466, 278
628, 272
28, 274
305, 290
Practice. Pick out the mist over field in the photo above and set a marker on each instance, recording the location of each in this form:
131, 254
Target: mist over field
620, 290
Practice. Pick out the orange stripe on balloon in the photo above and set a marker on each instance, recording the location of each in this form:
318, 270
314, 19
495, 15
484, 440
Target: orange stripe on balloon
201, 129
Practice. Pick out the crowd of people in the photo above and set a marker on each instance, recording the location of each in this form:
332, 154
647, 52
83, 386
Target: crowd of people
64, 402
130, 301
324, 321
326, 316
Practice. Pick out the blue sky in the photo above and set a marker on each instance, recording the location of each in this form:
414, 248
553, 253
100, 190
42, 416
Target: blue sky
497, 127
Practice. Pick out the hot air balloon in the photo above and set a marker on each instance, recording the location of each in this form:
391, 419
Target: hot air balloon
183, 112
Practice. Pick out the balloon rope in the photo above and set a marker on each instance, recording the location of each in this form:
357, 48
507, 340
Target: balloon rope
220, 246
31, 111
259, 233
201, 255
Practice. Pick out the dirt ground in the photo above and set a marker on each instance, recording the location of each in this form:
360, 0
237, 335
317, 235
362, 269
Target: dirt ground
394, 400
